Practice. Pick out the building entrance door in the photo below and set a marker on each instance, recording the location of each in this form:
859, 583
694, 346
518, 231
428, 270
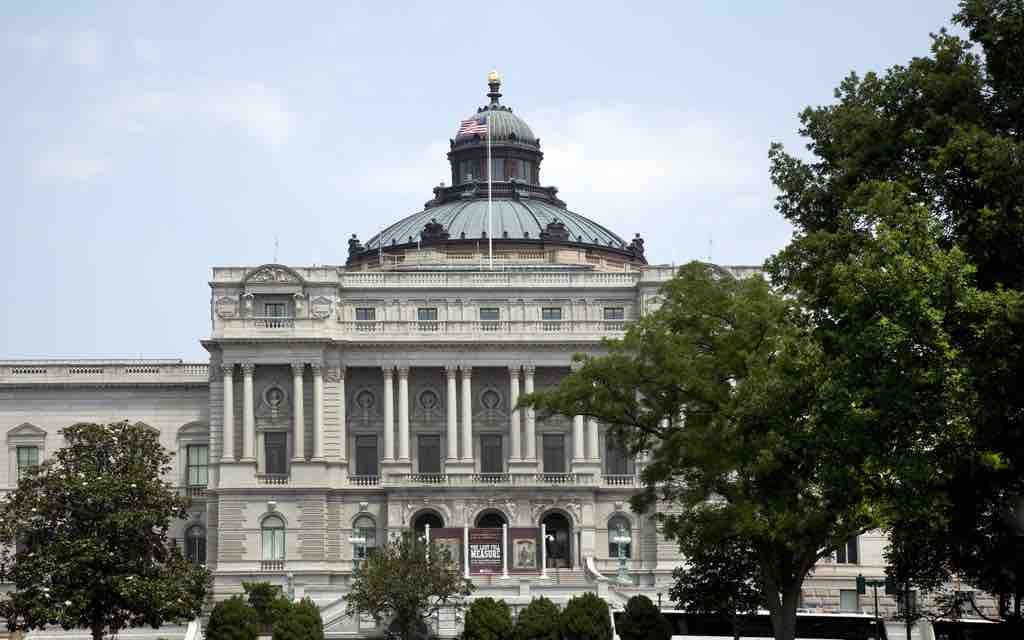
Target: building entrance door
559, 532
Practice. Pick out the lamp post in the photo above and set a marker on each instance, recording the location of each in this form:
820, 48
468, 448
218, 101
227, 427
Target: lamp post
621, 539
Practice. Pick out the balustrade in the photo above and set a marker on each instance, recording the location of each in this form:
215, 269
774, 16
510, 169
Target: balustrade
272, 478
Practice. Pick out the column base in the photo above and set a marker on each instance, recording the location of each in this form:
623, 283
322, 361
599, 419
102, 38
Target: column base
394, 467
459, 467
522, 466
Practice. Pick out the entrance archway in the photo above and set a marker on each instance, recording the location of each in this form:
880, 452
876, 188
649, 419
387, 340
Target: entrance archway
559, 540
490, 520
420, 522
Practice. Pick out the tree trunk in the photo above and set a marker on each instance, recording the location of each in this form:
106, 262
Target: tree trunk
783, 614
97, 632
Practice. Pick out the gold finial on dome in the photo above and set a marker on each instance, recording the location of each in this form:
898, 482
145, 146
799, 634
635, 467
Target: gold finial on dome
494, 82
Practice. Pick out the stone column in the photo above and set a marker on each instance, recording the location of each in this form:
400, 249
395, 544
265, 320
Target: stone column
298, 415
403, 413
467, 413
389, 413
531, 416
514, 427
318, 411
248, 415
595, 455
342, 416
228, 430
451, 371
577, 438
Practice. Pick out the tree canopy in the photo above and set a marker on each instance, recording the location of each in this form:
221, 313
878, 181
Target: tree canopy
908, 254
91, 528
407, 581
725, 387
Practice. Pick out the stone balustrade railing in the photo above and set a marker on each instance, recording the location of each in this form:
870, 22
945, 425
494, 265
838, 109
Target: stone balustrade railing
490, 479
102, 371
484, 328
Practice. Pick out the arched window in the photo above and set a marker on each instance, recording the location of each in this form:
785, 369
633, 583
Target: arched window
490, 520
273, 539
620, 538
364, 538
195, 544
419, 524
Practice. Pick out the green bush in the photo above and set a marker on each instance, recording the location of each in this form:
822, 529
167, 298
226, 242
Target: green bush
299, 621
642, 620
268, 602
487, 619
538, 621
586, 618
232, 619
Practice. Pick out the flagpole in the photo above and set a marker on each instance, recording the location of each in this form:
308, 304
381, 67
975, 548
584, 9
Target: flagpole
490, 231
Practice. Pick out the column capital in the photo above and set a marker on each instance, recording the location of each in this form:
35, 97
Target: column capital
514, 370
248, 368
317, 368
451, 370
298, 368
467, 370
389, 371
227, 369
334, 374
529, 368
403, 371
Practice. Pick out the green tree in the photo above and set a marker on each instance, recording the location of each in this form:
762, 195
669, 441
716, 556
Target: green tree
719, 579
642, 620
538, 621
725, 386
407, 581
908, 254
487, 619
585, 617
92, 526
232, 619
298, 621
267, 601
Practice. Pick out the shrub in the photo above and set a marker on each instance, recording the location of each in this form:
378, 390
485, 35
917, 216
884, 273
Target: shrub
586, 618
267, 600
232, 619
299, 621
487, 619
538, 621
642, 620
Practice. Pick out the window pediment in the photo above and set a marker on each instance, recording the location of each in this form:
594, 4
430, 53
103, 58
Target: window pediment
26, 432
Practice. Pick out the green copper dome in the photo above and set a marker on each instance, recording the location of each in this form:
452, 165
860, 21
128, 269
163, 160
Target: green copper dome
505, 127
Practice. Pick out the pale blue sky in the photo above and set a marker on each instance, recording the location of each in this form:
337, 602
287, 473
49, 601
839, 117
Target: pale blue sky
145, 143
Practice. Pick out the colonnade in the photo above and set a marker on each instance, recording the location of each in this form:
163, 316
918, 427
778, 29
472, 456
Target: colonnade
522, 423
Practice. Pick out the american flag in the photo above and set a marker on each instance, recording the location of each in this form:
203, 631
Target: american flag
471, 126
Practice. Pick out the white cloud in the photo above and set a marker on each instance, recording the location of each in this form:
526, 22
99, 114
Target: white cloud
71, 164
253, 109
624, 153
32, 43
84, 49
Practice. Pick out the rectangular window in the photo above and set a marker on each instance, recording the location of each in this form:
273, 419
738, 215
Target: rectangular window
366, 455
554, 452
27, 457
275, 309
197, 459
617, 461
489, 317
614, 313
429, 453
552, 318
491, 460
275, 449
366, 314
847, 554
427, 317
848, 600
